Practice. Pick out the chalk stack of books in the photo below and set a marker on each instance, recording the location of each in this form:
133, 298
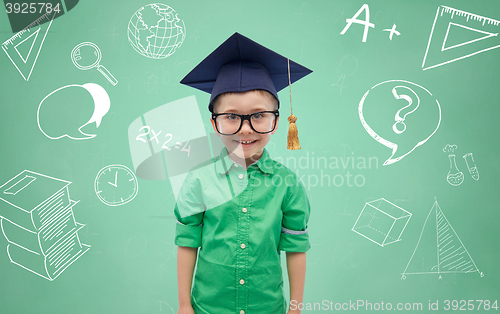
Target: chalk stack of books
37, 220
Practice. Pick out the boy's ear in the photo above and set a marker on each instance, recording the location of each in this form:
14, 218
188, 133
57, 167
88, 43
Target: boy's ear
215, 129
276, 128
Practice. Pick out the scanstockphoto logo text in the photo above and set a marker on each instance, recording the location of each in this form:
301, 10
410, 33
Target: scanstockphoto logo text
361, 305
315, 170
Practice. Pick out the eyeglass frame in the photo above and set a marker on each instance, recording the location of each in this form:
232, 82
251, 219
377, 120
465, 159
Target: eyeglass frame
244, 117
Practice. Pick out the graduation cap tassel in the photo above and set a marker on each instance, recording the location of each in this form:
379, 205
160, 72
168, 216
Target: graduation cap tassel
293, 133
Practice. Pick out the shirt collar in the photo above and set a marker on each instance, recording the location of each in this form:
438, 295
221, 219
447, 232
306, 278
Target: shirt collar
224, 163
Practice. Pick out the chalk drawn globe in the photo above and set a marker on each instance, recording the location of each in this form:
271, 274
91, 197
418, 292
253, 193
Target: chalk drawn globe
155, 31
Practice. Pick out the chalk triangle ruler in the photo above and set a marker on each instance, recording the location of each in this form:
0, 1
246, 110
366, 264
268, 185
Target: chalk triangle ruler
24, 47
457, 35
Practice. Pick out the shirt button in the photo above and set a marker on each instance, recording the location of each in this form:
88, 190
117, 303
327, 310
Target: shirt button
242, 245
242, 312
240, 176
236, 165
244, 210
242, 282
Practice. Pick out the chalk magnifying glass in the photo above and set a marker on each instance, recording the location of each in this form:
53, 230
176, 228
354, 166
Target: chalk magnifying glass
86, 56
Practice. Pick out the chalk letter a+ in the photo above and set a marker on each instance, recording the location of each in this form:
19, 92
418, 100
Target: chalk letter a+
354, 19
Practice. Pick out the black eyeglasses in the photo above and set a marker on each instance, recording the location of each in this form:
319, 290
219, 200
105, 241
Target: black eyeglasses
230, 123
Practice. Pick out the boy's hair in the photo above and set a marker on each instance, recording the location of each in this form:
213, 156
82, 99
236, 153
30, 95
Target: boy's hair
262, 92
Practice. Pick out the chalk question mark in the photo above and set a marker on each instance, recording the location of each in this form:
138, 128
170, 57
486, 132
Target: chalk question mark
408, 108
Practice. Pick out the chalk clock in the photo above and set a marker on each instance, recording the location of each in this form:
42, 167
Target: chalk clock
116, 185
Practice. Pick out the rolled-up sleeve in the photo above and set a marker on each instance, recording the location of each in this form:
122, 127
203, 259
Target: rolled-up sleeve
296, 210
189, 210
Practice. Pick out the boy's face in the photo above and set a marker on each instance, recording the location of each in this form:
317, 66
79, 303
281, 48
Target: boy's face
245, 103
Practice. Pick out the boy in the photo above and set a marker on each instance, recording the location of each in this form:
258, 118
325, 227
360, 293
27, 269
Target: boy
242, 208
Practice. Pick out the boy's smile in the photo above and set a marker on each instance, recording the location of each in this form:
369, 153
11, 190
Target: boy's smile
246, 146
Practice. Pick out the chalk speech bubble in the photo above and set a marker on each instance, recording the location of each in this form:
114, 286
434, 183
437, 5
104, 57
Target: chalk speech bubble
380, 112
101, 102
52, 108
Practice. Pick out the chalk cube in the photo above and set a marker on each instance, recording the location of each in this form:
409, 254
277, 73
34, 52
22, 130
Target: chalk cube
382, 222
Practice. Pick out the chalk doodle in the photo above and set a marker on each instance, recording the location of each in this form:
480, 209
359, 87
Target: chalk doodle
86, 56
367, 24
456, 177
408, 128
471, 165
457, 35
24, 47
116, 185
155, 31
382, 222
145, 137
406, 110
346, 65
58, 109
36, 217
392, 31
439, 250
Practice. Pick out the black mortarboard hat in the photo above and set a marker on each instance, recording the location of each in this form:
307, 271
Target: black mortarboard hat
239, 65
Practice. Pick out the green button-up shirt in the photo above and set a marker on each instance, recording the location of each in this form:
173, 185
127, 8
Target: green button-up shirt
241, 219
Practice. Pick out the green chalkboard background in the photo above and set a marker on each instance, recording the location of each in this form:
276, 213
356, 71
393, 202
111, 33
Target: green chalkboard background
131, 265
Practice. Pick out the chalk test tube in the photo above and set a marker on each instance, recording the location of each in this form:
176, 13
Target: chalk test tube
469, 160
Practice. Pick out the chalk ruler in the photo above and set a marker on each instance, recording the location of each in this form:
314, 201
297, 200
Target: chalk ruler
21, 47
457, 35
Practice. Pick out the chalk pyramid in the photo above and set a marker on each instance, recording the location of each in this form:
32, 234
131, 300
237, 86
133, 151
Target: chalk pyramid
439, 250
